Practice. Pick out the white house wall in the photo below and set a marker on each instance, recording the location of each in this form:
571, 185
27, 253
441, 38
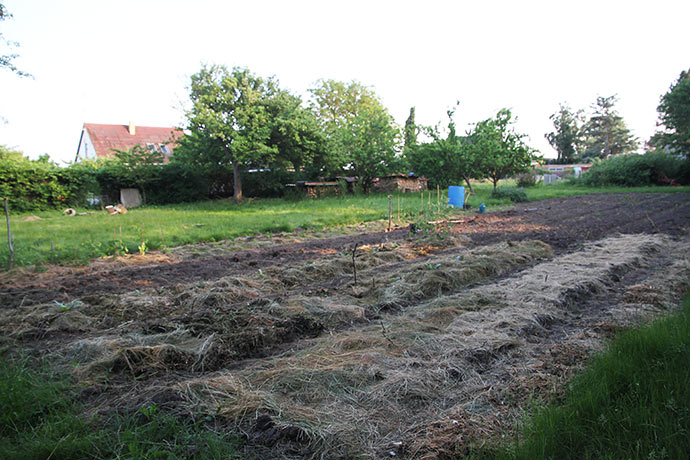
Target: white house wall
86, 149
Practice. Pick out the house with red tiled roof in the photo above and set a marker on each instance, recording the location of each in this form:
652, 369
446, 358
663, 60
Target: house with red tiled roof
101, 141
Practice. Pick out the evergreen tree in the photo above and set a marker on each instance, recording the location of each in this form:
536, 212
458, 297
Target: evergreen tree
606, 133
410, 131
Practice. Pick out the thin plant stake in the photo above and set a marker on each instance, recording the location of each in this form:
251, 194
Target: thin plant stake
9, 235
354, 266
390, 211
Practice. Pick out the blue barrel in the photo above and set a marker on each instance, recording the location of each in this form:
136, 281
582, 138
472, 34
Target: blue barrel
456, 196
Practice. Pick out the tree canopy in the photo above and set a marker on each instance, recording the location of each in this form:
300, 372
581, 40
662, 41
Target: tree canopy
674, 115
446, 160
499, 150
567, 137
605, 132
360, 133
230, 112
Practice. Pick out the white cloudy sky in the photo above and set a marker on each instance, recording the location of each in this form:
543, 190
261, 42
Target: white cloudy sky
121, 61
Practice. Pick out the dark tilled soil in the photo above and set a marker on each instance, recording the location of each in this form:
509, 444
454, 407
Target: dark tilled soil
563, 223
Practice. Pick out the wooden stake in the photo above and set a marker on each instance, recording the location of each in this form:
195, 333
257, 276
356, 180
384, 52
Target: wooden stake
438, 198
390, 211
398, 209
9, 235
354, 266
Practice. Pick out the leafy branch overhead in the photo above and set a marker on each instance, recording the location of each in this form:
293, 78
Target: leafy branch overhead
6, 60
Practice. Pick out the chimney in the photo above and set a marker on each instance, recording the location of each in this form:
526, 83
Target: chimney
132, 129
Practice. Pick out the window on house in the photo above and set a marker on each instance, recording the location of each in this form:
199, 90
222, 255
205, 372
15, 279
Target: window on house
151, 147
164, 148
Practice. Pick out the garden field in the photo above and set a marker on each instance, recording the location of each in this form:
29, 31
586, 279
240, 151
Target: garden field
49, 237
353, 342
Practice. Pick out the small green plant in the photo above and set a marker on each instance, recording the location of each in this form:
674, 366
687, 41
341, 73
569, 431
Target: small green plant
516, 195
143, 248
528, 179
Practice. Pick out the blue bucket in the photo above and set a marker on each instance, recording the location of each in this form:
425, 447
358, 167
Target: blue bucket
456, 196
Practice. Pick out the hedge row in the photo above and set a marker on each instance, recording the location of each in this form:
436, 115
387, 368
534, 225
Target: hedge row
654, 168
34, 185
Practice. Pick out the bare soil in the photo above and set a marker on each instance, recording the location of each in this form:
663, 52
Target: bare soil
441, 344
563, 223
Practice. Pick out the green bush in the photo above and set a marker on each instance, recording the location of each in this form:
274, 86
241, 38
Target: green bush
527, 179
36, 185
268, 183
179, 183
516, 195
638, 170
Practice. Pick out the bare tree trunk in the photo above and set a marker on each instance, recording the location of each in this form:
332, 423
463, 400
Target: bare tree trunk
236, 182
467, 181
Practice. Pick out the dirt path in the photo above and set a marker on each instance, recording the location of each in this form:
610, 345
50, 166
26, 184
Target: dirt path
563, 223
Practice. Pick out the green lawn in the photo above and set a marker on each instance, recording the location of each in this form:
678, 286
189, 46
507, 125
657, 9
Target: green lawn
60, 239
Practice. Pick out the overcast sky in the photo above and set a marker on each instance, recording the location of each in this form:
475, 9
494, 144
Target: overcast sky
121, 61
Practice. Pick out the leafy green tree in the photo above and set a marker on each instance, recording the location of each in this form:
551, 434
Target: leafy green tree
371, 142
295, 131
410, 131
348, 113
6, 59
567, 137
606, 133
499, 150
674, 115
230, 112
447, 160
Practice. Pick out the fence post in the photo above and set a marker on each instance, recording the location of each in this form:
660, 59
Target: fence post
9, 235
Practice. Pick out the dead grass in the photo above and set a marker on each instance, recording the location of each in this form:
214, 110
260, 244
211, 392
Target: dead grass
423, 357
399, 383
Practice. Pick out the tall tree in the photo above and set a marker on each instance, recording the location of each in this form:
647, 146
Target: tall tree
6, 59
371, 142
295, 132
567, 137
605, 131
230, 112
351, 115
674, 115
410, 131
500, 151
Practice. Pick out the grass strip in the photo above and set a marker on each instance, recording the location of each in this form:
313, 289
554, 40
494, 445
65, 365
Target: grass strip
55, 238
632, 402
39, 419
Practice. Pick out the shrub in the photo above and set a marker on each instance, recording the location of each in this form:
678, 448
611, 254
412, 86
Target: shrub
35, 185
516, 195
637, 170
527, 179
